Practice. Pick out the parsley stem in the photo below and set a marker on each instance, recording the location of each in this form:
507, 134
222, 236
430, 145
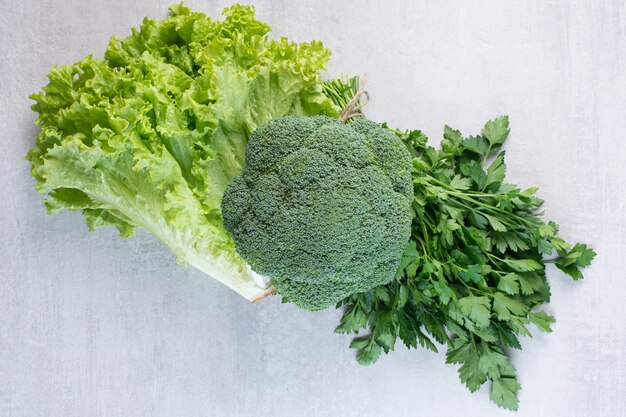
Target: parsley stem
467, 197
551, 260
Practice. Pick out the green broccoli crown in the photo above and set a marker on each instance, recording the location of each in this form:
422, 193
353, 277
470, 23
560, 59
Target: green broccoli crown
322, 207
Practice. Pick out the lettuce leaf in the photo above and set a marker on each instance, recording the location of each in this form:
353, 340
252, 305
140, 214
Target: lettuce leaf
151, 136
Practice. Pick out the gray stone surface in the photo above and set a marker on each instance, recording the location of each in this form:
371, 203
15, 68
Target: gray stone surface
94, 325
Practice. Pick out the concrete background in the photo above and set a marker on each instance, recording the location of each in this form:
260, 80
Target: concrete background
94, 325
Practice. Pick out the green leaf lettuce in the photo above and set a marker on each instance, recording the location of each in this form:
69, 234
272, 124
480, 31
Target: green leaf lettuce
151, 136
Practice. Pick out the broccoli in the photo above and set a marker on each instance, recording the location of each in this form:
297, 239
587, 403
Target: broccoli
322, 207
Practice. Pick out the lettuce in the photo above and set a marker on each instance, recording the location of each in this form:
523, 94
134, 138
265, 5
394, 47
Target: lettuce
151, 136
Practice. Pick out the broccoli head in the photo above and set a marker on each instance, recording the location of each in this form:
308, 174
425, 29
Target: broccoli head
322, 207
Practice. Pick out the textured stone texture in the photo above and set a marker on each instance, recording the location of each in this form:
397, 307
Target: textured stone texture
94, 325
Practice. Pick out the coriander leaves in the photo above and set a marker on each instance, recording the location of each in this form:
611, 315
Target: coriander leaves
472, 276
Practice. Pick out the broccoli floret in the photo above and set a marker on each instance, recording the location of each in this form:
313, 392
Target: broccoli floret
322, 207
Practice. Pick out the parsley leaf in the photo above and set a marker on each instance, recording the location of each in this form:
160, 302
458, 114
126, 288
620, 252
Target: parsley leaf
477, 309
496, 130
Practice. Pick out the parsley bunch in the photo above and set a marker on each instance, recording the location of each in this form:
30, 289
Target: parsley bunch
473, 274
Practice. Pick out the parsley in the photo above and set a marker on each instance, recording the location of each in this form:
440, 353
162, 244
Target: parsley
473, 274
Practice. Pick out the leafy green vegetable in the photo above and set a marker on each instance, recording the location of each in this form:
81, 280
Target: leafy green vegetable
151, 136
472, 276
323, 208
